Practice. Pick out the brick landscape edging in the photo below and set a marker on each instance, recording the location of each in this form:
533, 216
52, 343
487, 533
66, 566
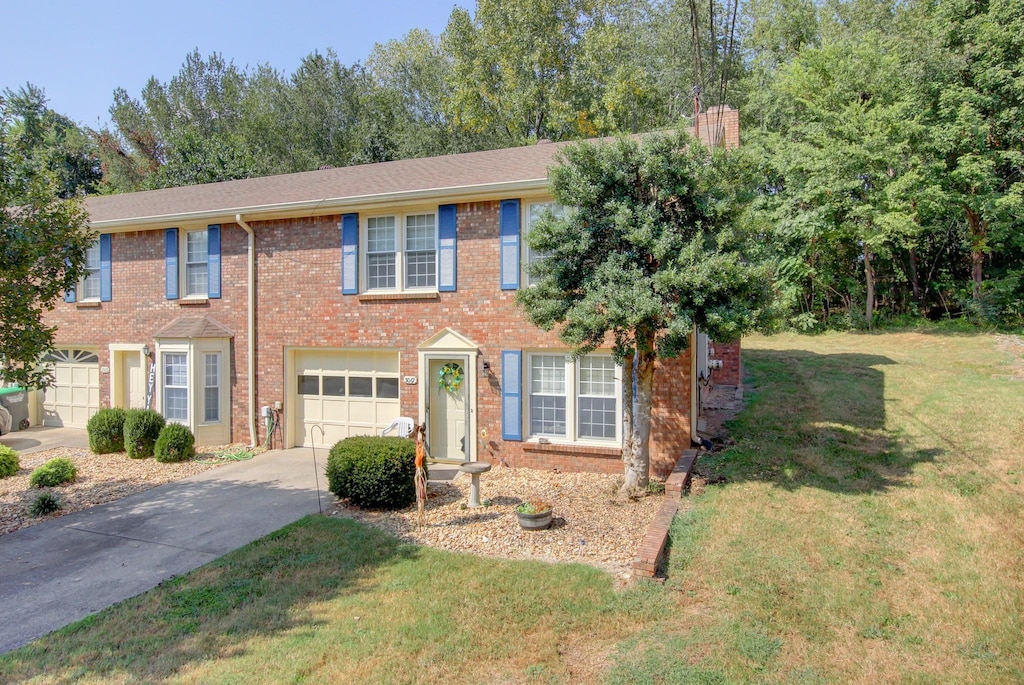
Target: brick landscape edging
652, 547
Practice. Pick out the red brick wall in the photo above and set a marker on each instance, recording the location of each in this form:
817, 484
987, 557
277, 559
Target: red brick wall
138, 309
300, 304
729, 353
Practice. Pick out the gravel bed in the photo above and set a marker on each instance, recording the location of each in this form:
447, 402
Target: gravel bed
101, 478
591, 524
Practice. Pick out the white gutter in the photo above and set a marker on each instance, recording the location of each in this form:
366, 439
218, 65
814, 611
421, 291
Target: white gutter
326, 206
249, 336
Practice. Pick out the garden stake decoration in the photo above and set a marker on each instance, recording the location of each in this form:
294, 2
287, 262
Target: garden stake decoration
421, 476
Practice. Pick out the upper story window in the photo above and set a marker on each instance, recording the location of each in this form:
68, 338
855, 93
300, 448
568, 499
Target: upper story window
197, 278
90, 284
534, 212
401, 252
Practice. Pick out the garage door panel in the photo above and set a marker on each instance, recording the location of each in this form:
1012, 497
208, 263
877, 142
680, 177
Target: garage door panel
75, 394
345, 404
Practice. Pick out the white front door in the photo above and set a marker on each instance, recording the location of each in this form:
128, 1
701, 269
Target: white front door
447, 408
134, 381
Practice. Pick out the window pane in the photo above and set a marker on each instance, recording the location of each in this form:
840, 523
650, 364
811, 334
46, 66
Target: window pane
380, 270
380, 234
360, 386
334, 386
597, 376
211, 395
91, 286
547, 415
597, 417
92, 257
175, 370
419, 232
176, 404
547, 374
387, 388
420, 269
196, 279
309, 385
195, 247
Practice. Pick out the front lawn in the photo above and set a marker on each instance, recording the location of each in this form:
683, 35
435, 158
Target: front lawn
869, 529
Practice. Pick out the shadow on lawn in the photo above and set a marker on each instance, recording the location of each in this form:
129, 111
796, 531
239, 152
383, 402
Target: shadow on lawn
816, 420
264, 589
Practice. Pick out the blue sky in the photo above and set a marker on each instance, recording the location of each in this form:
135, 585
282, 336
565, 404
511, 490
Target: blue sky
79, 52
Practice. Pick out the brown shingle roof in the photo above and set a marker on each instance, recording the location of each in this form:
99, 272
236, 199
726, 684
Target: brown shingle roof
194, 327
472, 169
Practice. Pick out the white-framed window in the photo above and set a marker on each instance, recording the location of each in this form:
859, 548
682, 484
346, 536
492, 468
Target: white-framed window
401, 252
534, 211
175, 371
197, 272
211, 388
90, 284
573, 400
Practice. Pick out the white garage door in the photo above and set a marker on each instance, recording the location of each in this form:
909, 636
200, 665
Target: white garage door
75, 393
344, 392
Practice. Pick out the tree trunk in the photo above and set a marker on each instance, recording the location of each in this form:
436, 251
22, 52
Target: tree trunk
869, 278
638, 468
979, 232
915, 283
627, 412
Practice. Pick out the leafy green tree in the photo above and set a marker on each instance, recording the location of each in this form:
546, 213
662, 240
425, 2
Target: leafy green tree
652, 248
514, 65
53, 142
976, 105
43, 239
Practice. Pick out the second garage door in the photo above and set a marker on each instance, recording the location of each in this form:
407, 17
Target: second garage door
345, 392
74, 395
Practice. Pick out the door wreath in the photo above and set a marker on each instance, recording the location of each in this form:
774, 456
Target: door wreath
449, 378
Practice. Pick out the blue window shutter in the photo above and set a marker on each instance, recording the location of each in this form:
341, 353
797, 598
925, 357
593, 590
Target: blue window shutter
447, 253
171, 263
511, 395
69, 295
105, 268
509, 244
213, 261
350, 254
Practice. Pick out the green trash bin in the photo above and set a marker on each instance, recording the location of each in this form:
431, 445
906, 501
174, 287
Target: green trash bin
15, 400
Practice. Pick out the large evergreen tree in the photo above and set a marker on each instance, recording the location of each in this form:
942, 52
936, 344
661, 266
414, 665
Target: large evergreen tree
651, 248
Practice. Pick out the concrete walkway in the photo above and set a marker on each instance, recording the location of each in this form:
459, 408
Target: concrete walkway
62, 570
38, 438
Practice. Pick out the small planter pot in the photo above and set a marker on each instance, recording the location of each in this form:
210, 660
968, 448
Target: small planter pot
539, 521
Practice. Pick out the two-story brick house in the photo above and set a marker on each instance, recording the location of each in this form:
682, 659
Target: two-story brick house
342, 299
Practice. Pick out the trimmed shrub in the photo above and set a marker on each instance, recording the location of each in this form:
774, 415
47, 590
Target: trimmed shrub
373, 472
175, 443
141, 429
9, 464
106, 431
45, 503
53, 473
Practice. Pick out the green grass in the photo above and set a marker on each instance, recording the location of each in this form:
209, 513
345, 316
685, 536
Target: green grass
869, 530
870, 526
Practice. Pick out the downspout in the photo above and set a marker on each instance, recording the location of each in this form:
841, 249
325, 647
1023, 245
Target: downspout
250, 337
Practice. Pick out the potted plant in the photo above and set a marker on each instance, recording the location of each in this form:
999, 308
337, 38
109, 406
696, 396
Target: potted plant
534, 515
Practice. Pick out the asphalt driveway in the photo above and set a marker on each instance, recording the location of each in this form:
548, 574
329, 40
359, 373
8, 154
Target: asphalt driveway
62, 570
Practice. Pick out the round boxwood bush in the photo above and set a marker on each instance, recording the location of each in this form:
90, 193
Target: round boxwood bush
373, 472
8, 462
53, 473
106, 431
141, 429
175, 443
